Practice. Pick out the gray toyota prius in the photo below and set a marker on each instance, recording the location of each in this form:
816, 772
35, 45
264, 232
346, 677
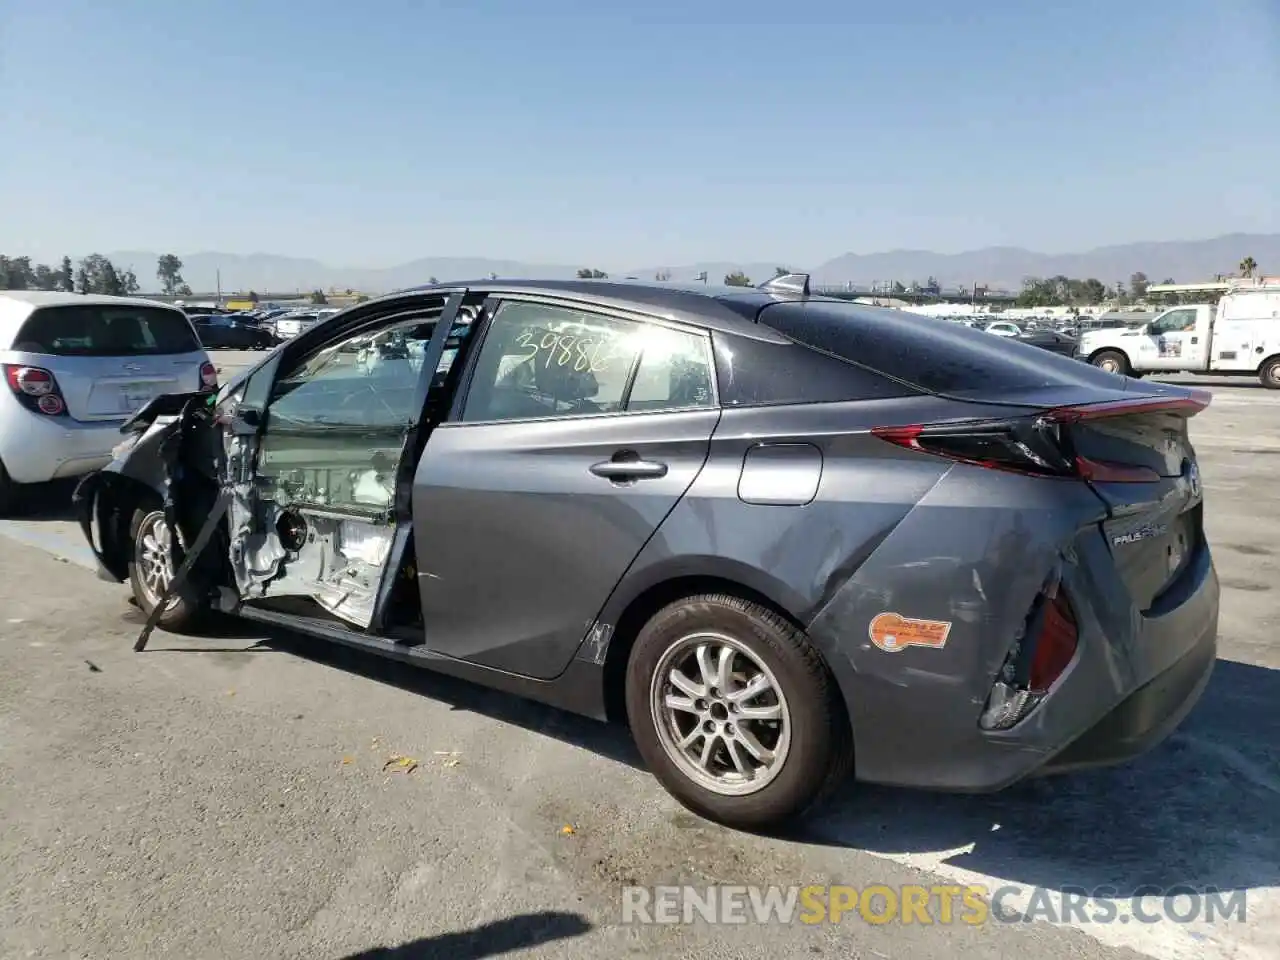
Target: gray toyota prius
785, 538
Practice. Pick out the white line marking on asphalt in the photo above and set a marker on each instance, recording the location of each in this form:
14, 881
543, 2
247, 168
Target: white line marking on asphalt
1163, 940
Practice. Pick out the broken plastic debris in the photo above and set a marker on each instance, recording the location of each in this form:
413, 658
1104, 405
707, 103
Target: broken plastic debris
346, 759
397, 762
449, 758
231, 693
567, 831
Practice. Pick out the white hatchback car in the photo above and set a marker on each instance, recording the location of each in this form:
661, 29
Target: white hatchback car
75, 368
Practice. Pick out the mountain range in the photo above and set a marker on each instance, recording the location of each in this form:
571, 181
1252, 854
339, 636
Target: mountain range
996, 267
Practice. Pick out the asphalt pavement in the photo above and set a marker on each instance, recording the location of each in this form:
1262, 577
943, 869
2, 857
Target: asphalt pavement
238, 794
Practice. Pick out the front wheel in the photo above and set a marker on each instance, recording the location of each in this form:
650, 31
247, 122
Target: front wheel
735, 712
151, 571
1112, 361
1270, 374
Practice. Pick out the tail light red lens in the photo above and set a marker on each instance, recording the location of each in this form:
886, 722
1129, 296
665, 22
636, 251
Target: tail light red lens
1022, 445
1055, 648
208, 376
36, 389
1040, 655
31, 381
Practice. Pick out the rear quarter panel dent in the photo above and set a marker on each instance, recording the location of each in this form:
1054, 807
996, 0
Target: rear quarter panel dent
973, 552
795, 556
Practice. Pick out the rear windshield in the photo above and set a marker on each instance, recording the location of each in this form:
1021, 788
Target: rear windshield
99, 330
931, 354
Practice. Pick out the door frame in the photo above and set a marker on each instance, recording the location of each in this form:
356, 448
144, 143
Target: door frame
251, 418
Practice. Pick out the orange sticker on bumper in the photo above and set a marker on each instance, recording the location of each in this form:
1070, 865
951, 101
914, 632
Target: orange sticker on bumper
893, 633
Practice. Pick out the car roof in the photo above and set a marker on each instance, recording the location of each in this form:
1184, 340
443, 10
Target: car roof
17, 305
722, 308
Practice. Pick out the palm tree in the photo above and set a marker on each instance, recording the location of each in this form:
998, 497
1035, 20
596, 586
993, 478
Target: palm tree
1248, 266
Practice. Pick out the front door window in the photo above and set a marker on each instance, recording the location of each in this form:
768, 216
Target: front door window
337, 422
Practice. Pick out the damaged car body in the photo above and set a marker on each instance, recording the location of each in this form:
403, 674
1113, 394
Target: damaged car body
755, 525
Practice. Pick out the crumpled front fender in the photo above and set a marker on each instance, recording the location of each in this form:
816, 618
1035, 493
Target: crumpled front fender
104, 501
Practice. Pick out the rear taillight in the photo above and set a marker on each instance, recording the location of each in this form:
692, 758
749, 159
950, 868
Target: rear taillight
36, 389
1025, 445
1037, 445
208, 376
1040, 655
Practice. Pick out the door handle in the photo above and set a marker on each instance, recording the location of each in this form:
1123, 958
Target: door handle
629, 469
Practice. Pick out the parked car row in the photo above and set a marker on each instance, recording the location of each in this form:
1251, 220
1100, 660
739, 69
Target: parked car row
1055, 335
231, 331
261, 329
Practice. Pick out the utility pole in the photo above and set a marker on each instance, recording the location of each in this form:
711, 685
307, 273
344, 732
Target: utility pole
219, 282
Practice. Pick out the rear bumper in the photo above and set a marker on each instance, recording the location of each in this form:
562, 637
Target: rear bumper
1145, 718
1135, 678
37, 449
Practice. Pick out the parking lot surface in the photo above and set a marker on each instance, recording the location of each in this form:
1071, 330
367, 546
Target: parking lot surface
230, 796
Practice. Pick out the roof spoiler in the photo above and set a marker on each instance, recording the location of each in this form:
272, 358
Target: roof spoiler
792, 283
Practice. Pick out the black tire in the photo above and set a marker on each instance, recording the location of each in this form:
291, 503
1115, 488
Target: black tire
820, 752
1105, 359
1269, 373
185, 610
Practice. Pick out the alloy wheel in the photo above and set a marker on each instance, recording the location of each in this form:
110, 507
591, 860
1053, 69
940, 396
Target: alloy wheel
155, 559
720, 714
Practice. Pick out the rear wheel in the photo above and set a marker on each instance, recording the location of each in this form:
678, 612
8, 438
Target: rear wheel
1112, 361
1270, 374
735, 712
151, 571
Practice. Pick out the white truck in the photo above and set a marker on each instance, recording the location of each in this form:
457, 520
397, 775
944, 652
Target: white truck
1237, 336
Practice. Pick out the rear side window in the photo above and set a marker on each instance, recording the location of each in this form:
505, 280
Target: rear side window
93, 330
758, 373
931, 354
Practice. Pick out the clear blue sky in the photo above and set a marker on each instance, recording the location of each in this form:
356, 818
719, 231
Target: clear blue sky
628, 135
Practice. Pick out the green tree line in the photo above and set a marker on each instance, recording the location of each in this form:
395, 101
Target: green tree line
1063, 291
92, 274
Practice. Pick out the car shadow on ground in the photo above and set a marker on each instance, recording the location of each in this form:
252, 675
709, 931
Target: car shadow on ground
607, 740
1200, 809
45, 501
490, 940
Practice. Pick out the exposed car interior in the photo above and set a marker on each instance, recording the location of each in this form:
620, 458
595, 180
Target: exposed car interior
315, 520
